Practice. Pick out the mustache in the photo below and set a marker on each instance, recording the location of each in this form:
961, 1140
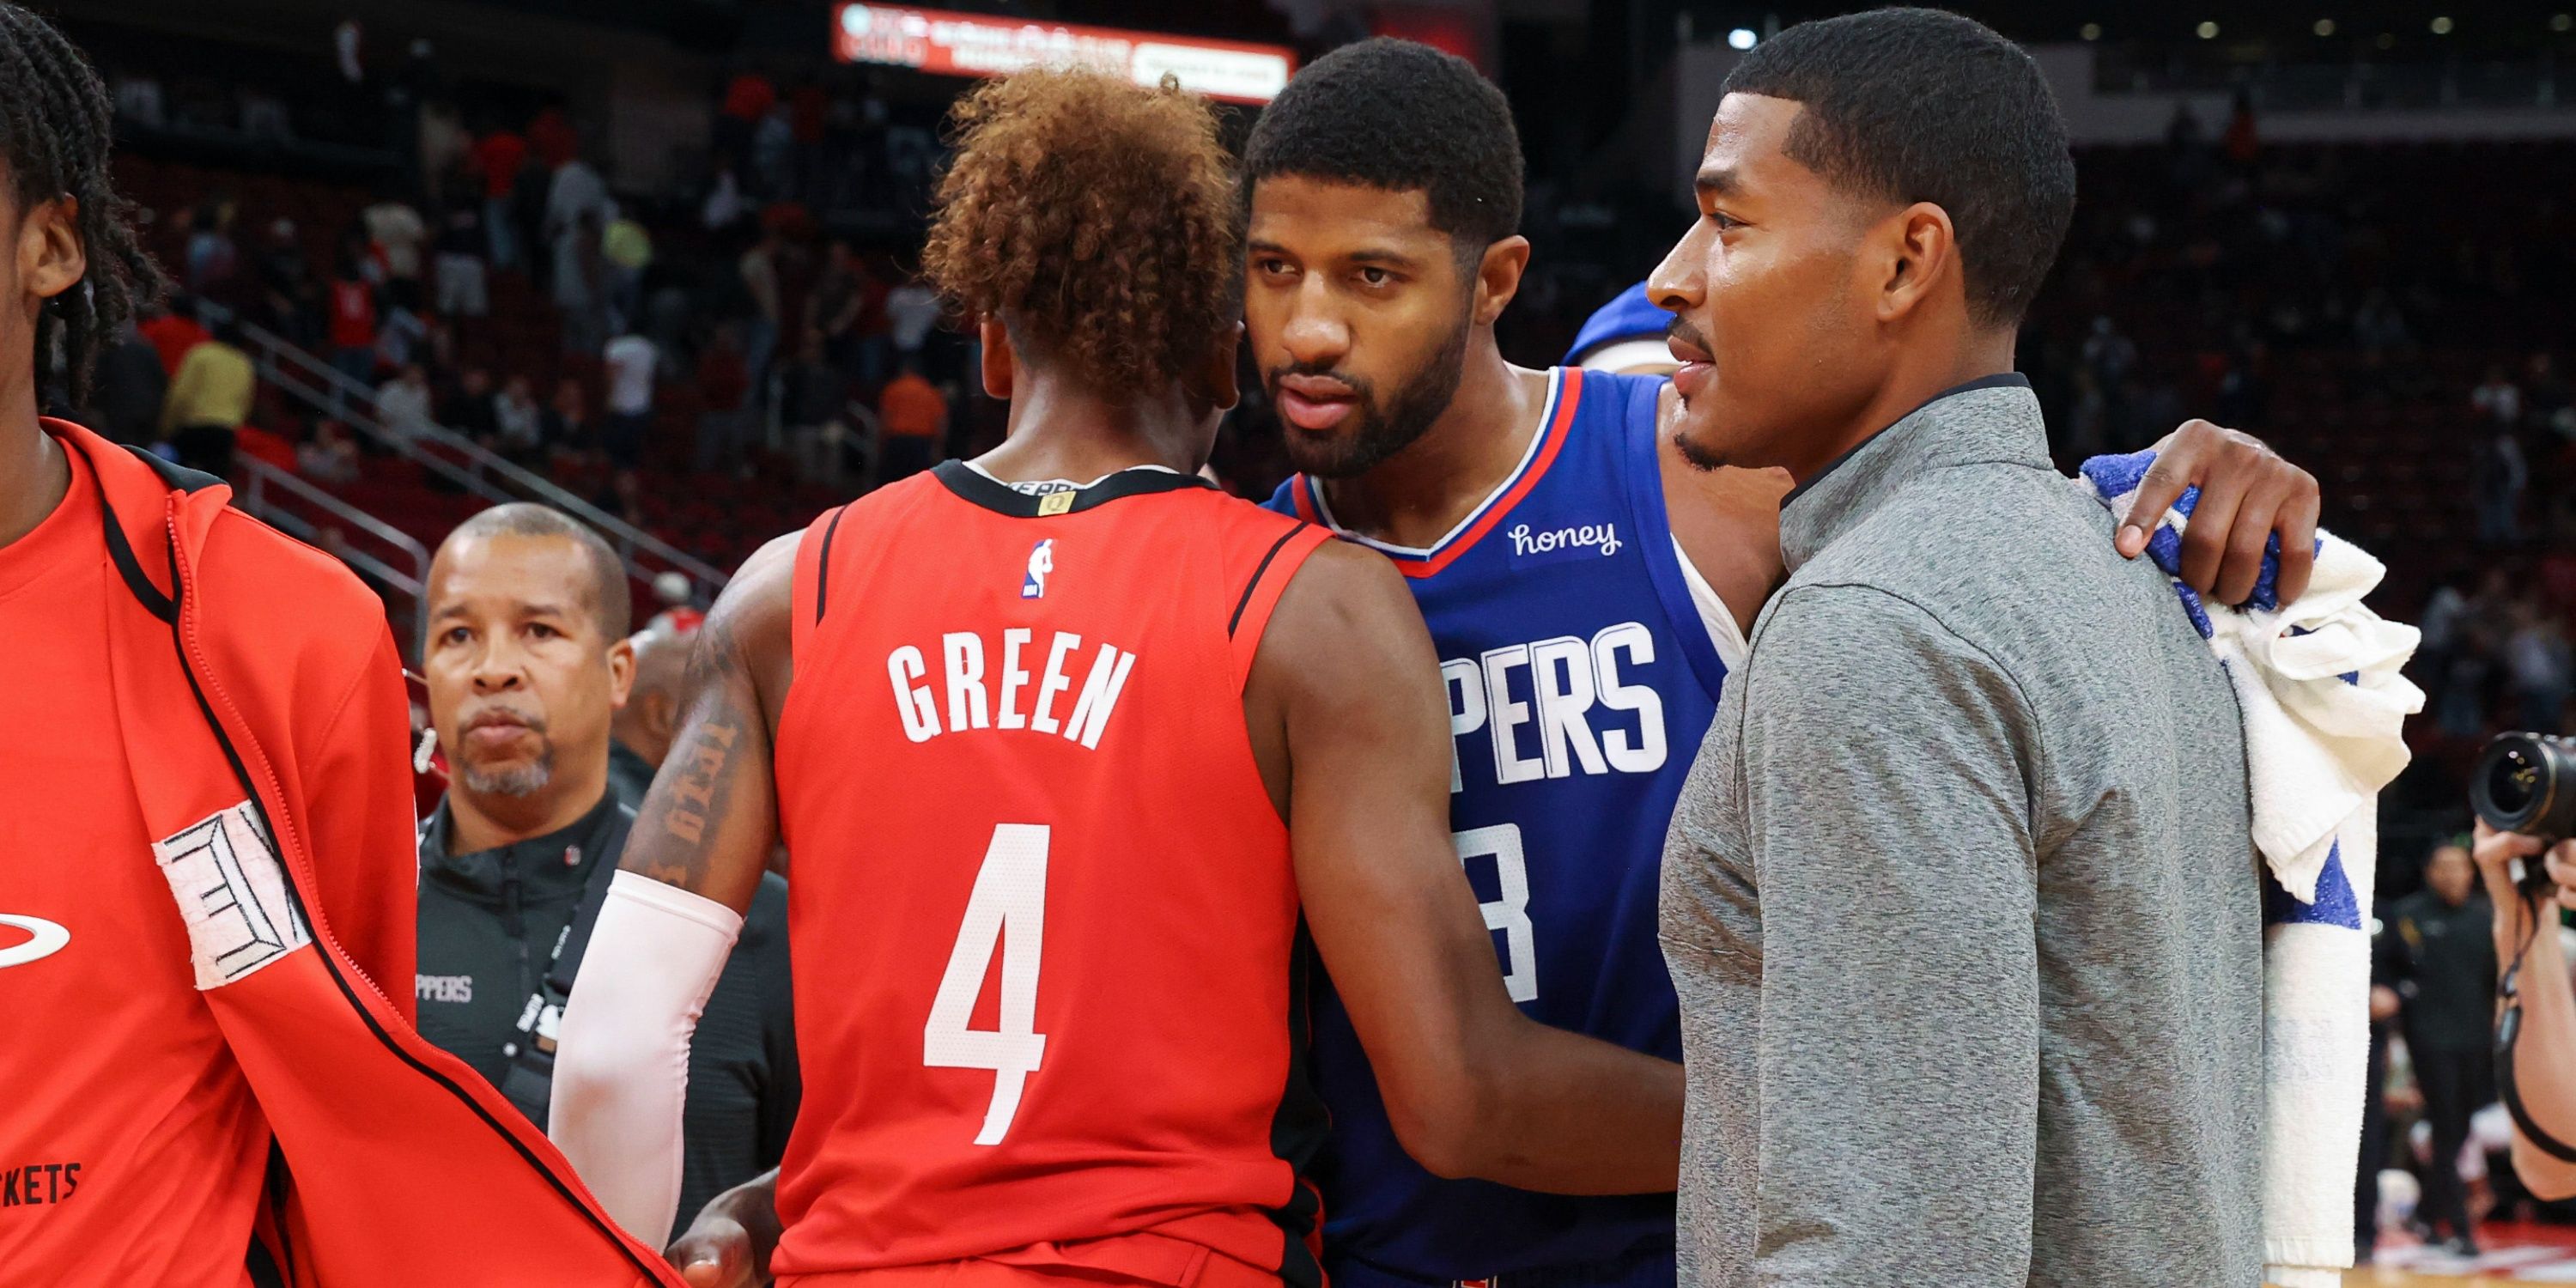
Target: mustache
533, 722
1681, 329
1359, 385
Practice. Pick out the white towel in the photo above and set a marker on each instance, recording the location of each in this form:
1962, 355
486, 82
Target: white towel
2318, 686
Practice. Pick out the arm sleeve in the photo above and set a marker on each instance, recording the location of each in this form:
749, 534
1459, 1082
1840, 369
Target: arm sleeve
1898, 1070
622, 1058
359, 820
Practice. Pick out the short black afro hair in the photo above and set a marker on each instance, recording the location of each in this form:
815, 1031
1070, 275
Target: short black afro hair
1919, 105
1401, 116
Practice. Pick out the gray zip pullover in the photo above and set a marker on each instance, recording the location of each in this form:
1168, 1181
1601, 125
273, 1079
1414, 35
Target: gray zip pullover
1960, 900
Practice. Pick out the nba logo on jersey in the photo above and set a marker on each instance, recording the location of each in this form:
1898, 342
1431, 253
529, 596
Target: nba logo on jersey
1041, 562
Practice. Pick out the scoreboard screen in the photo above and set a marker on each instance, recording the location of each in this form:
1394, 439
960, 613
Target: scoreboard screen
965, 44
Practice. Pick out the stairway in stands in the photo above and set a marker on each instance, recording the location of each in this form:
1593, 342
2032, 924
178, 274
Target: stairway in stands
719, 519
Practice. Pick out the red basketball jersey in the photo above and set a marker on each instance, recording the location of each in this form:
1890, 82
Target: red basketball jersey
1043, 915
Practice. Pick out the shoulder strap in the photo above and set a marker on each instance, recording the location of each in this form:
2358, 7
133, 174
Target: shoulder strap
2508, 1032
2512, 1097
1261, 591
811, 597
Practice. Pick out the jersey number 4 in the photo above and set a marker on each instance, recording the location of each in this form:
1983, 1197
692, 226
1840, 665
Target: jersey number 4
1007, 911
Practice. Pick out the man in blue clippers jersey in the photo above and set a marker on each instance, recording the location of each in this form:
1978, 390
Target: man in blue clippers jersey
1586, 588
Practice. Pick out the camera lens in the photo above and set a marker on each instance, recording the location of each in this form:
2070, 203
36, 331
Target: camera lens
2526, 782
2513, 780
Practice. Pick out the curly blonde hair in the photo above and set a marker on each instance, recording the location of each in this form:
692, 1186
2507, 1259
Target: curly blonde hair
1096, 218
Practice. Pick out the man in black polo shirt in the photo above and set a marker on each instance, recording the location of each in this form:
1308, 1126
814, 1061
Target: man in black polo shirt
527, 659
2449, 1020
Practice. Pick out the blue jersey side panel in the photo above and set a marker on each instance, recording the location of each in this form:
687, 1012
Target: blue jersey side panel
1580, 684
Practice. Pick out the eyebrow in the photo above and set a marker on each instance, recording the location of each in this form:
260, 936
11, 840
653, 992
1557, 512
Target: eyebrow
1718, 181
524, 608
1381, 255
1364, 255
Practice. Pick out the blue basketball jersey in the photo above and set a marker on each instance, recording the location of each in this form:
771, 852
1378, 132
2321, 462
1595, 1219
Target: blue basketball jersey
1581, 680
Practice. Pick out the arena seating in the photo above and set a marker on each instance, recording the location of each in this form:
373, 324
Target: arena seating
2389, 433
720, 518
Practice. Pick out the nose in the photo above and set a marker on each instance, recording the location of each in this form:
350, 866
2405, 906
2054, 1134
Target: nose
1680, 283
1315, 335
498, 668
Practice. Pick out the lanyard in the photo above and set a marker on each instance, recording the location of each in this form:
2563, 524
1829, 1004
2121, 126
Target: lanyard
529, 1079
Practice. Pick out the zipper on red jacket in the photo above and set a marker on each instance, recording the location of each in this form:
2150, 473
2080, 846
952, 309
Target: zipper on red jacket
295, 853
193, 661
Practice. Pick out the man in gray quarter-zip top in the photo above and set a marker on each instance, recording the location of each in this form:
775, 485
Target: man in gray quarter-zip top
1959, 899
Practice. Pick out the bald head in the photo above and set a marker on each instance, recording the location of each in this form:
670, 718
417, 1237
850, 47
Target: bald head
611, 601
651, 716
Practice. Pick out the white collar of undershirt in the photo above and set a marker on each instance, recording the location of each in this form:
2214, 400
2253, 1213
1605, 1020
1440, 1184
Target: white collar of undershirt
1048, 487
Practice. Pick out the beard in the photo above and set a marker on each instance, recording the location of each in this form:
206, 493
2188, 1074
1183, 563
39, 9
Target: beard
1699, 457
513, 777
1376, 432
525, 778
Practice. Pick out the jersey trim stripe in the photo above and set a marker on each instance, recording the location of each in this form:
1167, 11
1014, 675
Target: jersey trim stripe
1261, 595
1253, 582
1565, 392
823, 565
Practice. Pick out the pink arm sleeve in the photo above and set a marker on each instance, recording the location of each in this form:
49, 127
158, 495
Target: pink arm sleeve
622, 1056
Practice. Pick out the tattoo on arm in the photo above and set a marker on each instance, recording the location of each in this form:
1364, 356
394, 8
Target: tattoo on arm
694, 791
708, 822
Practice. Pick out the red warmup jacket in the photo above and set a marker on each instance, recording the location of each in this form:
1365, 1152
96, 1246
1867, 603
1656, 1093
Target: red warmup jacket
394, 1166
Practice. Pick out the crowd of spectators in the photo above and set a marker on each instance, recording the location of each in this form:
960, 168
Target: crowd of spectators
2301, 293
493, 285
761, 321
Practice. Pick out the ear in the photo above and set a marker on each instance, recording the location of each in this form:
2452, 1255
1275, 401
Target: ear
1498, 277
50, 256
1916, 253
661, 716
998, 357
621, 673
1214, 380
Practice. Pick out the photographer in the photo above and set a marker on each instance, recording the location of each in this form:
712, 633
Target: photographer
2541, 1066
